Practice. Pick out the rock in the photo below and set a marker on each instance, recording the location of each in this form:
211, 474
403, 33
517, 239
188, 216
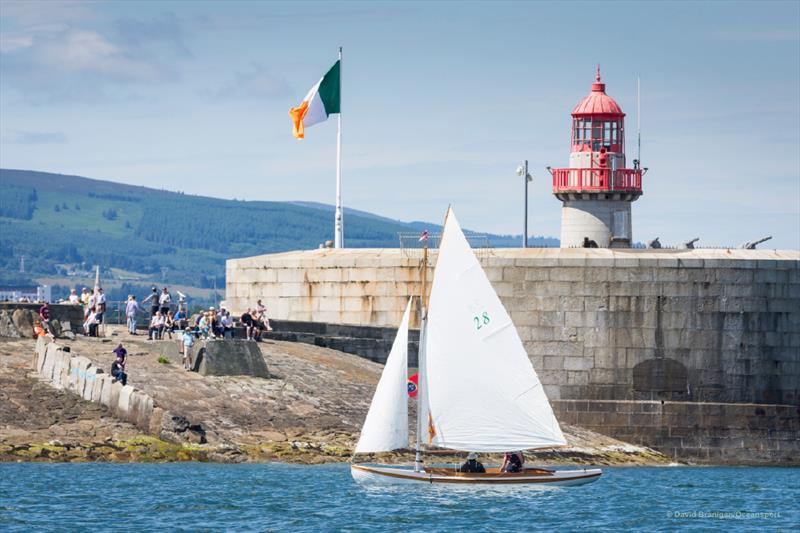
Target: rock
55, 328
23, 321
176, 423
177, 428
7, 327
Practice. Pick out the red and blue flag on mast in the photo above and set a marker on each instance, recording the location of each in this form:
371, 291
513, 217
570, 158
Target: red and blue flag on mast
413, 386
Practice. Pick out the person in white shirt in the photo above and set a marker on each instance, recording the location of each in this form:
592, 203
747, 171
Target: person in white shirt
90, 308
226, 324
261, 309
100, 299
164, 301
73, 297
90, 325
156, 326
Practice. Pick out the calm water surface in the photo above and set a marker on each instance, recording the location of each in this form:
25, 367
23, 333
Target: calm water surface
277, 497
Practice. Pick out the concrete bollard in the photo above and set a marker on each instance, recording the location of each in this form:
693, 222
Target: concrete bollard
102, 381
63, 378
49, 361
41, 350
77, 369
92, 375
113, 396
60, 361
124, 402
141, 409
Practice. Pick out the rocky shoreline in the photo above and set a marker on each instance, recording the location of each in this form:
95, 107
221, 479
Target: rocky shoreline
308, 412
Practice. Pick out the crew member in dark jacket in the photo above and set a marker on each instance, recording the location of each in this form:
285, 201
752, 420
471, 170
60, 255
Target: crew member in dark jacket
118, 370
472, 466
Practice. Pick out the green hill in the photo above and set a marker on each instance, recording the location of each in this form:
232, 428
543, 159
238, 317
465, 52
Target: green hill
64, 224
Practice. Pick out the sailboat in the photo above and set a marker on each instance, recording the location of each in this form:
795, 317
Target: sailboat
477, 389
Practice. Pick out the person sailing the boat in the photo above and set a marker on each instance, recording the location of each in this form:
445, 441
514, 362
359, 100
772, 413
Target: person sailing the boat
512, 462
472, 466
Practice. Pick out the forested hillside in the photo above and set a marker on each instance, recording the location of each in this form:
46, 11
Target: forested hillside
64, 224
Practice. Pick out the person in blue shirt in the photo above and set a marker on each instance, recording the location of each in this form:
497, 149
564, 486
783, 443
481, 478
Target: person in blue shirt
187, 340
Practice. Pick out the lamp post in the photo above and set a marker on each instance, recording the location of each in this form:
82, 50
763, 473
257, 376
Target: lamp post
522, 171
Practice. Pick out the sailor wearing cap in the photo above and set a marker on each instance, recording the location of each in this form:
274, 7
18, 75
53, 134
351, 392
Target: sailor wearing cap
472, 466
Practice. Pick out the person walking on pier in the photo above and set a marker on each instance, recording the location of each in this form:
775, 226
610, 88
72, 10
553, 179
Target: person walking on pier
131, 309
188, 345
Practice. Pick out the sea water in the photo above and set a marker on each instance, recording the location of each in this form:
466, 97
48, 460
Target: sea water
280, 497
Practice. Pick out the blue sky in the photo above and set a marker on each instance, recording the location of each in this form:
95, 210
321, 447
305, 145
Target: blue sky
441, 102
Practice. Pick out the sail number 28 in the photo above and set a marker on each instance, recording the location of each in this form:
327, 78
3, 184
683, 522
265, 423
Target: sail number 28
481, 320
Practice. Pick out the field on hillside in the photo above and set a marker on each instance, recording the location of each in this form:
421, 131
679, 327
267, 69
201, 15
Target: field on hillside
63, 225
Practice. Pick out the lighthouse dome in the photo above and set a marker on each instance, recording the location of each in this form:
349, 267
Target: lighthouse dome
598, 102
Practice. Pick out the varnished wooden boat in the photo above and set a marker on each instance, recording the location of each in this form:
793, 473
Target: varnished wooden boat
493, 476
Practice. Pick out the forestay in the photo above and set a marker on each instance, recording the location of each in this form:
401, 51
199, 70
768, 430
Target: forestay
386, 426
483, 393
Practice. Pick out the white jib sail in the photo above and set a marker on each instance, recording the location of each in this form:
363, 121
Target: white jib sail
386, 426
483, 393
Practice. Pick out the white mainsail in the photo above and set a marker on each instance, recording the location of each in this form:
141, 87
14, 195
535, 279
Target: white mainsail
482, 391
386, 426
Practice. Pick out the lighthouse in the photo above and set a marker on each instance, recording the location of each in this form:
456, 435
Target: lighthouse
597, 189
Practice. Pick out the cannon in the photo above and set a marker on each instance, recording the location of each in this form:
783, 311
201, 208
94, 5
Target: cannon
751, 245
689, 245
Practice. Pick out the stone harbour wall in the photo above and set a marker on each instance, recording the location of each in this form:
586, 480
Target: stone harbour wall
77, 374
603, 324
700, 432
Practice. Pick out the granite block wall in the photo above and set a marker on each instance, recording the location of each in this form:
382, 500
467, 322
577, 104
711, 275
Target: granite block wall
621, 324
700, 432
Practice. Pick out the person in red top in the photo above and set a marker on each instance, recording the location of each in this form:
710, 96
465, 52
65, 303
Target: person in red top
44, 315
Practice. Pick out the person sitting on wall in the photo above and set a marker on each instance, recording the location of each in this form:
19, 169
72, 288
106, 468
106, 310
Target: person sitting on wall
247, 322
261, 309
44, 317
513, 462
180, 319
169, 325
156, 327
472, 466
118, 370
226, 323
90, 325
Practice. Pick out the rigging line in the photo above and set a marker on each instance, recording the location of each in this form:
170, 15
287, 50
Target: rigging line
523, 393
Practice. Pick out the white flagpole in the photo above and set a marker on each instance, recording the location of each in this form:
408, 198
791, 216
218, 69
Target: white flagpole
339, 235
638, 122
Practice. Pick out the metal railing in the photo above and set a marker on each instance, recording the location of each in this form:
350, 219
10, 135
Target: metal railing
597, 179
412, 246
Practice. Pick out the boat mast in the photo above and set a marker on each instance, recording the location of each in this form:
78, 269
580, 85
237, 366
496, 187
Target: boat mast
420, 356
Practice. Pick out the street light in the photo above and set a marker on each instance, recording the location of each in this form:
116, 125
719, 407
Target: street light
522, 171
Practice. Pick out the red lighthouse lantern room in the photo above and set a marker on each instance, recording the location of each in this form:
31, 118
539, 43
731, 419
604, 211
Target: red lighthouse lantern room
597, 190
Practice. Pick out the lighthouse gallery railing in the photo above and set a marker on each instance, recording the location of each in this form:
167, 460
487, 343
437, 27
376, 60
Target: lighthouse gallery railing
597, 179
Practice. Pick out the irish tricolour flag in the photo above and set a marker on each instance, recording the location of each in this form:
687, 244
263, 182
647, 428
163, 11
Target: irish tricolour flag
322, 100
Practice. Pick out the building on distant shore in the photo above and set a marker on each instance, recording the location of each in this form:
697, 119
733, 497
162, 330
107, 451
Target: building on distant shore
31, 293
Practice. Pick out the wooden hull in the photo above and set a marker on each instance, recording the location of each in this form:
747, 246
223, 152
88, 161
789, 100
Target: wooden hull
529, 476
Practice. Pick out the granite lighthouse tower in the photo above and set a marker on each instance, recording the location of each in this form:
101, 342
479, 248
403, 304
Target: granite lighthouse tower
597, 189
